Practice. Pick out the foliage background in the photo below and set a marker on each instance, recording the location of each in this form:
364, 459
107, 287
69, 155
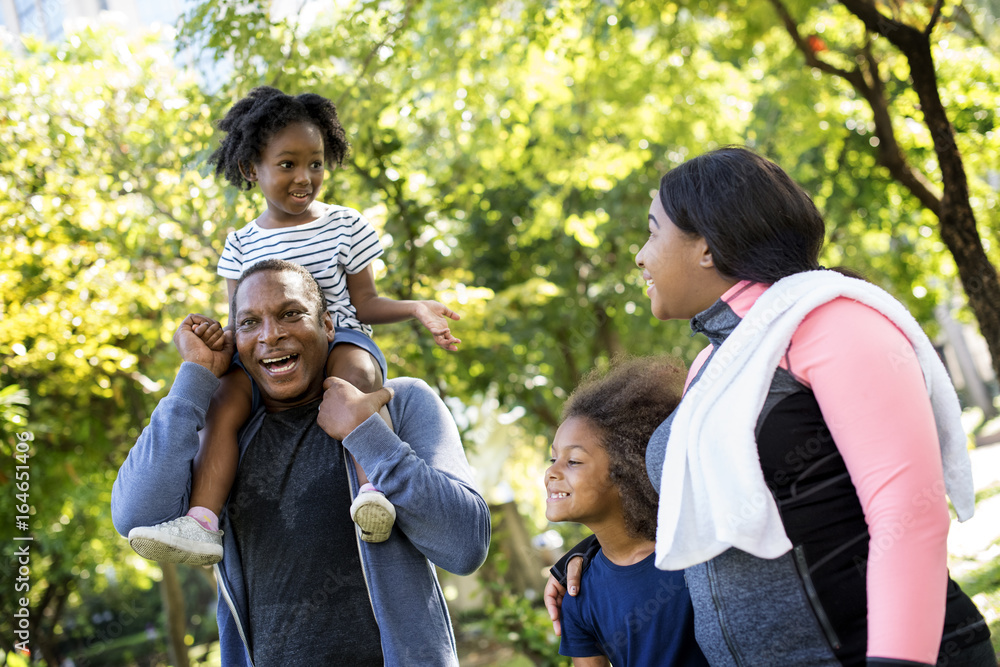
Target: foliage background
506, 151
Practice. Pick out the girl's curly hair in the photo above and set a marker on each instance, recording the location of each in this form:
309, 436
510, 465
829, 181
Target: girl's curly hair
626, 404
265, 111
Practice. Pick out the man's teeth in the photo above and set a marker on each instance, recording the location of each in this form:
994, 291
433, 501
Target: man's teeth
277, 359
285, 363
558, 495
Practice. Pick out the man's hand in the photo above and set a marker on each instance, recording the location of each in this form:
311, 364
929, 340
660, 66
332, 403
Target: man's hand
554, 592
433, 314
202, 340
345, 407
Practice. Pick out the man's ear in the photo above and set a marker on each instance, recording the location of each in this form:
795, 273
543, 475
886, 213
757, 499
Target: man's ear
328, 326
248, 172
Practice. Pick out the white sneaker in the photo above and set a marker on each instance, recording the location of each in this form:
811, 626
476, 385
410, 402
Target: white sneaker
182, 540
374, 515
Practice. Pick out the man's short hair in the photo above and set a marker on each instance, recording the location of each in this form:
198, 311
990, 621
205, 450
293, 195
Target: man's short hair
280, 266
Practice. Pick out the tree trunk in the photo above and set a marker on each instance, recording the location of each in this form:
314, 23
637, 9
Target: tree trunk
957, 219
525, 567
173, 603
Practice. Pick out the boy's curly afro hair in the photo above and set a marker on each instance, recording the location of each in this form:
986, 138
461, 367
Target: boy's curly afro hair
265, 111
626, 404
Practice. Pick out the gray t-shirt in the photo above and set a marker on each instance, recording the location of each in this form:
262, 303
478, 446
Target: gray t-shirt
290, 516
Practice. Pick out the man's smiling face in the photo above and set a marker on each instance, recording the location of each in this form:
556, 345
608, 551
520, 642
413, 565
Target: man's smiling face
282, 337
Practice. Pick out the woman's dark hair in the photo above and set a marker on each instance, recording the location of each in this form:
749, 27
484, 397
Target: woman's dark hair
759, 224
626, 404
265, 111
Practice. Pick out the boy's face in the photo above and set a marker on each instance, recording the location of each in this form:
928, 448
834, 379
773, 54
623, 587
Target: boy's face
290, 172
578, 485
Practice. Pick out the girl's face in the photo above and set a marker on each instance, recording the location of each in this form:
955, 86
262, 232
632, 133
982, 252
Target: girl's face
577, 483
678, 269
290, 173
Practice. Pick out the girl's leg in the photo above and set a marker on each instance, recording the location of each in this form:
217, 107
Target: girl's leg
354, 364
195, 538
218, 455
373, 513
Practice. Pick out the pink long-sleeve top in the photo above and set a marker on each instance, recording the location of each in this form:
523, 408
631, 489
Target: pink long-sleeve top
871, 393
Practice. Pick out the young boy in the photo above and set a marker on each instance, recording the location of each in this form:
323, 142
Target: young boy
627, 611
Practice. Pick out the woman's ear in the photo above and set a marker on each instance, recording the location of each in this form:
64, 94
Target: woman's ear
705, 260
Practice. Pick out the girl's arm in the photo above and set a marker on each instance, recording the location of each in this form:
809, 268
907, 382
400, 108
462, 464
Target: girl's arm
374, 309
230, 288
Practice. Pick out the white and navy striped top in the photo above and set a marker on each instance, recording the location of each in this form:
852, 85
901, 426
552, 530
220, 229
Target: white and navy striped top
339, 242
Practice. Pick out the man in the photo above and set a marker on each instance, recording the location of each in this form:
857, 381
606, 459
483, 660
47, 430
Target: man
298, 586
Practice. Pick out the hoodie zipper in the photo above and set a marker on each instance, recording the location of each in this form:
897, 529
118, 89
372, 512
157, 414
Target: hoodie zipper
710, 574
232, 609
352, 484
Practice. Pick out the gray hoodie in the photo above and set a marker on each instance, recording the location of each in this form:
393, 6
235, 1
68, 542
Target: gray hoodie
440, 518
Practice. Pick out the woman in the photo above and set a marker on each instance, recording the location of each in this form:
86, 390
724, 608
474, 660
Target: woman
803, 488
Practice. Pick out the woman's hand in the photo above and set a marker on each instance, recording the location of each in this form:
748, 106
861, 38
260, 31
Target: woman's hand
554, 591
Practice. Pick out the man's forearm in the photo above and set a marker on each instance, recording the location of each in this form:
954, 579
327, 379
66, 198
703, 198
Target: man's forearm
424, 472
154, 482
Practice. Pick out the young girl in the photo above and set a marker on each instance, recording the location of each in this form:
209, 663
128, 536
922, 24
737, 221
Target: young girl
282, 143
628, 612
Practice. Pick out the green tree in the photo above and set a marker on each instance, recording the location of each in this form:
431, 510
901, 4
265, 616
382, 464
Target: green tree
897, 76
507, 153
512, 148
108, 240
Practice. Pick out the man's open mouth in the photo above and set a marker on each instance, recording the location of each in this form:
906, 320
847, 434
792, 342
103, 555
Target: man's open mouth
280, 365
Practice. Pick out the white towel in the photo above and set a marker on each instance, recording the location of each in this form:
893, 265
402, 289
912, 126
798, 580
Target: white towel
712, 492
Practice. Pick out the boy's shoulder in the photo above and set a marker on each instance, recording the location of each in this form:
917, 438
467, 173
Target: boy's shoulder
631, 578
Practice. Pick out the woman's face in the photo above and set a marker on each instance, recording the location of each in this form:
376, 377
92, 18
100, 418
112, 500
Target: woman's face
678, 269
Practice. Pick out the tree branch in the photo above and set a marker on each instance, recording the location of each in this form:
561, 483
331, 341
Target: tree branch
935, 15
407, 14
869, 84
811, 58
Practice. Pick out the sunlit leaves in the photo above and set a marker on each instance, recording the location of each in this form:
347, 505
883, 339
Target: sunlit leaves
110, 235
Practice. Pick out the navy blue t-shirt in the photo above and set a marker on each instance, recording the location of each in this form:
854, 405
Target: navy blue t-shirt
636, 615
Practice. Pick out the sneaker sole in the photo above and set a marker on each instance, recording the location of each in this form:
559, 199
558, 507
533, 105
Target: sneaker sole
375, 517
175, 550
375, 523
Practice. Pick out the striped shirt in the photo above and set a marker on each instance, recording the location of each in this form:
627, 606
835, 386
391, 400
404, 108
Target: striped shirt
339, 242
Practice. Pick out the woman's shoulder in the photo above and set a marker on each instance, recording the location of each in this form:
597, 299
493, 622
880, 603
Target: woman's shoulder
840, 330
844, 316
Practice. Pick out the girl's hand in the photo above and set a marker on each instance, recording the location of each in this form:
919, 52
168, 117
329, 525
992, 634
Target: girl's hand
554, 591
209, 331
194, 346
432, 315
553, 596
